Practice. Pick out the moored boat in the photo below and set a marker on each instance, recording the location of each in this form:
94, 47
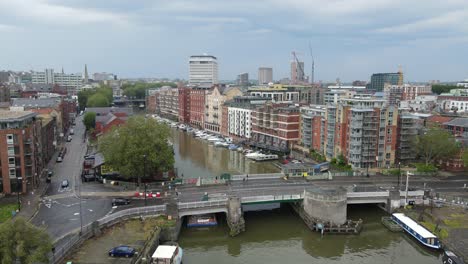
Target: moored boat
233, 147
416, 230
202, 220
263, 157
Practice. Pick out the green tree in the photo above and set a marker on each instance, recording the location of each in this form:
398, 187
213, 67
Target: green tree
22, 242
89, 120
106, 91
124, 148
138, 90
442, 88
436, 144
97, 100
83, 98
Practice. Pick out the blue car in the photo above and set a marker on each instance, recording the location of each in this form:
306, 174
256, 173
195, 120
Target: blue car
122, 251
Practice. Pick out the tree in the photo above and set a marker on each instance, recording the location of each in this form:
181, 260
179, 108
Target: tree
138, 90
442, 88
436, 144
124, 148
22, 242
83, 98
97, 100
89, 120
106, 91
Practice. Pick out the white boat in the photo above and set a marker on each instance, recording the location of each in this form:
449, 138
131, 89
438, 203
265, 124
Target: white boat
253, 155
264, 157
228, 140
214, 139
221, 144
182, 127
167, 254
416, 230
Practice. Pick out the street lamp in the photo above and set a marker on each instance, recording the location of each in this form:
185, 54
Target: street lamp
144, 174
399, 174
406, 194
18, 190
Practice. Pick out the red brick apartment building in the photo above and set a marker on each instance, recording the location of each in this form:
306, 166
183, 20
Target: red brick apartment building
184, 105
275, 126
197, 106
19, 138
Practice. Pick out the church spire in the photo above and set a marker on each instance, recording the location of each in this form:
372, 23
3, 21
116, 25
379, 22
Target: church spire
86, 76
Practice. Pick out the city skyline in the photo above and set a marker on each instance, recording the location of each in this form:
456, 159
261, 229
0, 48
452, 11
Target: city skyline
350, 40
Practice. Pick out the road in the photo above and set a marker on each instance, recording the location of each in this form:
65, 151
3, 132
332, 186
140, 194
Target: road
59, 211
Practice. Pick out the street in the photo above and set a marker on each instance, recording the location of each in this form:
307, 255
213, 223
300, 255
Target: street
59, 211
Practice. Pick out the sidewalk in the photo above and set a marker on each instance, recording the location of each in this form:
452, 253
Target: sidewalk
30, 202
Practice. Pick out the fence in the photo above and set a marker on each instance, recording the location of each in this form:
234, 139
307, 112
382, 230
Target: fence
451, 199
272, 198
257, 176
74, 238
191, 205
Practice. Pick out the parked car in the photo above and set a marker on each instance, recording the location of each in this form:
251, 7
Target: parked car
120, 201
69, 138
59, 159
65, 184
122, 251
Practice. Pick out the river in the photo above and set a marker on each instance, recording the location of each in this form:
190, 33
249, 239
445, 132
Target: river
279, 235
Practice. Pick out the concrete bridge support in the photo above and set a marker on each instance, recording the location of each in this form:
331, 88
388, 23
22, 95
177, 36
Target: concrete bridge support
393, 201
326, 205
235, 217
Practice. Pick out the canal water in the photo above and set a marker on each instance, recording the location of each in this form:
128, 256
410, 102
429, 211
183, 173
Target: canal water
279, 235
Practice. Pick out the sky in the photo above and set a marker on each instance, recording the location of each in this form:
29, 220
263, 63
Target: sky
349, 39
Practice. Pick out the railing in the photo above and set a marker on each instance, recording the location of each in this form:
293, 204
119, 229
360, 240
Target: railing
367, 194
268, 198
75, 237
257, 176
192, 205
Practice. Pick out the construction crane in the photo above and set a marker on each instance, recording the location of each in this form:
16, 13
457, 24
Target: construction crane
299, 68
313, 64
400, 75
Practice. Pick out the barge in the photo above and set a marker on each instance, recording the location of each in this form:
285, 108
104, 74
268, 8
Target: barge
416, 230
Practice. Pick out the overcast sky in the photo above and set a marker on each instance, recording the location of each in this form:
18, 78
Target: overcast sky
350, 39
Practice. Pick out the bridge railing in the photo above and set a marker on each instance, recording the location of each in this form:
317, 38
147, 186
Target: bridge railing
212, 203
240, 177
367, 194
66, 244
268, 198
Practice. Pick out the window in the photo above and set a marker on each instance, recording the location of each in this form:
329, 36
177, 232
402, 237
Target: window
11, 162
11, 151
12, 173
9, 138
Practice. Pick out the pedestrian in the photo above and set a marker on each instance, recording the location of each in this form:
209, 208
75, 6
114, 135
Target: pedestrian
247, 177
243, 179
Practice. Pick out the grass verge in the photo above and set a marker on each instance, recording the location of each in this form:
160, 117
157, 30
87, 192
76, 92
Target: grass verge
5, 211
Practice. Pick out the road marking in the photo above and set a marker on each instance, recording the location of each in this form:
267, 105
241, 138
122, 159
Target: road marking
76, 214
90, 210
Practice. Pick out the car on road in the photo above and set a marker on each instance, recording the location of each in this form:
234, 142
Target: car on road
120, 201
122, 251
65, 184
59, 159
69, 138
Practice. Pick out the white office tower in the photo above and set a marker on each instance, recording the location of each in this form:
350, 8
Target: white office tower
203, 70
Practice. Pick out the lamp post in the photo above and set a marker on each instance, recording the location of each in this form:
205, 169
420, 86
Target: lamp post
399, 174
144, 174
406, 192
19, 189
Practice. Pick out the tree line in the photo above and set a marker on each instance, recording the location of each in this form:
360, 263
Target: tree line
98, 97
138, 90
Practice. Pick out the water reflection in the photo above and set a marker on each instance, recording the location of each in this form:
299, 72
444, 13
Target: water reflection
280, 236
196, 158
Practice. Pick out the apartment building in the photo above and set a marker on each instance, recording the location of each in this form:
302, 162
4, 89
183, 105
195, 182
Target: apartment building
408, 128
197, 99
363, 130
48, 76
237, 119
184, 105
214, 101
275, 126
393, 94
312, 127
19, 139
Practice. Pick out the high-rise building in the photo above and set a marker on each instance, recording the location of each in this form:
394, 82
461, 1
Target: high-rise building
243, 79
378, 80
407, 92
48, 76
203, 70
297, 72
265, 75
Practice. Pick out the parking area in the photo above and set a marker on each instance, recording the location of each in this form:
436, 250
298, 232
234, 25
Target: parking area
131, 233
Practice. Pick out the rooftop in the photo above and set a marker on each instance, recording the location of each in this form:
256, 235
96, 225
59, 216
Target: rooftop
35, 103
458, 122
15, 116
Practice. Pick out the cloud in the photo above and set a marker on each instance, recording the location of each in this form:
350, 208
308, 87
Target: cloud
209, 19
41, 11
455, 20
7, 28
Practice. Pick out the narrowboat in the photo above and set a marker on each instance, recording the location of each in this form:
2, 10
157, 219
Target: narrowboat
202, 220
416, 230
450, 258
167, 254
